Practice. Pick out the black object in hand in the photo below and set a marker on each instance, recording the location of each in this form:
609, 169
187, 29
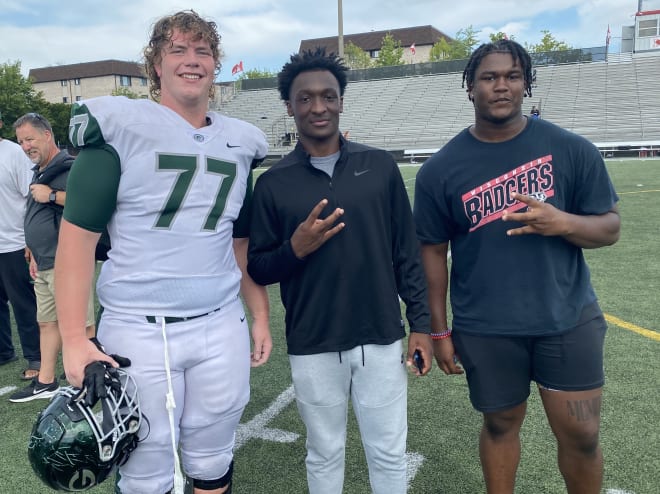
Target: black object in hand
418, 360
99, 376
122, 361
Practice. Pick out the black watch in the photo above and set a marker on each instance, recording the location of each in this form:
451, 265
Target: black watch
52, 197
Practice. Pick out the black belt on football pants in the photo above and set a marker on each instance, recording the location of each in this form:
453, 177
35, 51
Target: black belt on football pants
170, 319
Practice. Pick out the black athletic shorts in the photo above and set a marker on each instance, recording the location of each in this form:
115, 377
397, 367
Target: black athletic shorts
499, 369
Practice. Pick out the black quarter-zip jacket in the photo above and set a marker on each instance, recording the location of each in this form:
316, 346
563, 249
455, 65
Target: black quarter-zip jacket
347, 292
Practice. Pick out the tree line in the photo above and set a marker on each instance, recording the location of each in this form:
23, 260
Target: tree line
459, 48
18, 97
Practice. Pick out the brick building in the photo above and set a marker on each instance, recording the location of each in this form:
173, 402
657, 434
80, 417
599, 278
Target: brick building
416, 41
71, 83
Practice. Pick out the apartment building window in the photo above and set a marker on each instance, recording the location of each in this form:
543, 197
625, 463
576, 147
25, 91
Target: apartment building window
63, 83
76, 81
65, 99
78, 98
124, 80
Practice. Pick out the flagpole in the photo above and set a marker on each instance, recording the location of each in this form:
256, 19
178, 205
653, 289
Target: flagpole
608, 37
340, 29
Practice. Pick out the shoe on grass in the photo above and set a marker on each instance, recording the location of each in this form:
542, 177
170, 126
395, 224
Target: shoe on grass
34, 391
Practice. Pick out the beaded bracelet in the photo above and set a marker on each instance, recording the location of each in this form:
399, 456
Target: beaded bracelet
442, 335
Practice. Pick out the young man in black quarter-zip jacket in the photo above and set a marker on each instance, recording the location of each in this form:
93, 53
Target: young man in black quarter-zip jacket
332, 223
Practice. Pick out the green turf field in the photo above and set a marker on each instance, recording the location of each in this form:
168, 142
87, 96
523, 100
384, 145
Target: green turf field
443, 428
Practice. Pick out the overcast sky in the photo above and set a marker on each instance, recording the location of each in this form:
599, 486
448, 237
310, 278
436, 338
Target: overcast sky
263, 33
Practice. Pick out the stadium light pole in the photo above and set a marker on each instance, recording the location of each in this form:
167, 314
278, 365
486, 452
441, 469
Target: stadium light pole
340, 29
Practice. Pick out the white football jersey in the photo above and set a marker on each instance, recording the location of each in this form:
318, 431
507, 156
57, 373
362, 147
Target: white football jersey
179, 193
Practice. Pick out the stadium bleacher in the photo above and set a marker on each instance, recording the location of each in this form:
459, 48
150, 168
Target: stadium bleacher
613, 104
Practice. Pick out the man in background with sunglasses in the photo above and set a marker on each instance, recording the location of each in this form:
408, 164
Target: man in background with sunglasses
45, 204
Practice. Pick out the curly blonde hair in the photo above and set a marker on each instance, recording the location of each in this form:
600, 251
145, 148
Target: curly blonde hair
187, 22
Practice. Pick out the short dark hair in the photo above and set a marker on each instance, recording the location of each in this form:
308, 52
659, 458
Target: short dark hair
37, 121
518, 53
311, 60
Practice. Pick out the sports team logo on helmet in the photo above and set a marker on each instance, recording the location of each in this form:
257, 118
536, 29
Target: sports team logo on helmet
74, 447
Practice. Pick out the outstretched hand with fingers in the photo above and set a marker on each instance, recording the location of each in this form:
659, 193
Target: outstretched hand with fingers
314, 232
539, 217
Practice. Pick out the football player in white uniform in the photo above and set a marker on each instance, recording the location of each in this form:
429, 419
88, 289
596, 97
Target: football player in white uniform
172, 183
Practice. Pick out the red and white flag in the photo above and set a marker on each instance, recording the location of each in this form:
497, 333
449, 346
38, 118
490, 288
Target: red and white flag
412, 49
237, 68
608, 37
